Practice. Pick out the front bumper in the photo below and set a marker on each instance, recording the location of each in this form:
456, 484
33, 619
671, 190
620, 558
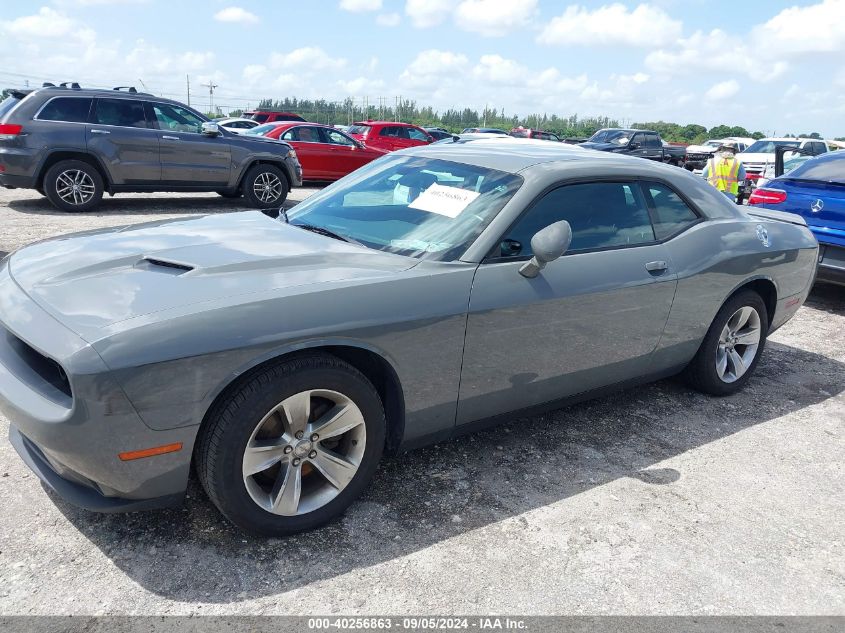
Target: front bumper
71, 433
85, 495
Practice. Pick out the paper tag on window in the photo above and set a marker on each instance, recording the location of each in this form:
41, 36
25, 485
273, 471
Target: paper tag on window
448, 201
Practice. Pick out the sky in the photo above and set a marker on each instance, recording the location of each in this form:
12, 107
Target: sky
768, 65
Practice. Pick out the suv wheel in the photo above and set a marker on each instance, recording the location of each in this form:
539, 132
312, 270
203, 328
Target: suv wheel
265, 187
73, 185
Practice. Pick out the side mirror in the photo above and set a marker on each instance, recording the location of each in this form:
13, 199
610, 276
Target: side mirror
210, 128
548, 245
359, 145
633, 146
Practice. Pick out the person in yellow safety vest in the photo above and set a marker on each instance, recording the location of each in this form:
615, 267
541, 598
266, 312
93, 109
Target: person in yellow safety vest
724, 171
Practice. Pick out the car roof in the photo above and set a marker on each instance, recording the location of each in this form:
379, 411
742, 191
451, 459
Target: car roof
790, 138
514, 155
61, 91
371, 123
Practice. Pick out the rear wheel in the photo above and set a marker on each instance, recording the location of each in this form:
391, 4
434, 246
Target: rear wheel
265, 187
293, 447
732, 347
73, 185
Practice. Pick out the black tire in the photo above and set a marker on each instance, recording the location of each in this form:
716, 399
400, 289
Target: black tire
252, 179
230, 194
221, 445
57, 176
40, 190
701, 373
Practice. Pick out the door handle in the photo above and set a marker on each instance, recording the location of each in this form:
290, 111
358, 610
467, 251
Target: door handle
170, 138
100, 132
657, 268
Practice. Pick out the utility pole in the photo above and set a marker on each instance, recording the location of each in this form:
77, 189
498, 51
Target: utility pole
188, 83
211, 86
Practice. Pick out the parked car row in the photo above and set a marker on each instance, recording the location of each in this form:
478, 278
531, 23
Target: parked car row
73, 145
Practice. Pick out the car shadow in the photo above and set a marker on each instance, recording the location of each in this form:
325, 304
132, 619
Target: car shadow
427, 496
145, 205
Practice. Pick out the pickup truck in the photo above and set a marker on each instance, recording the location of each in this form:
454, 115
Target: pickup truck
642, 143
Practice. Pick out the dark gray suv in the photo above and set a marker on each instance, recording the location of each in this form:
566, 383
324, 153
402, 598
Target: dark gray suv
74, 144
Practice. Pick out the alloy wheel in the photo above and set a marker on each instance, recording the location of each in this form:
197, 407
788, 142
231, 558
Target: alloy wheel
304, 452
738, 344
75, 187
267, 187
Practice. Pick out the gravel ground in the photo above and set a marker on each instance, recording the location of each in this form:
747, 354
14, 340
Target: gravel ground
653, 501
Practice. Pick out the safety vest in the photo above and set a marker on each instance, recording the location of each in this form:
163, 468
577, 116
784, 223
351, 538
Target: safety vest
722, 173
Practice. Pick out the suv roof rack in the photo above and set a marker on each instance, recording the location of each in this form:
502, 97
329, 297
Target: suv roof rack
73, 85
131, 89
47, 84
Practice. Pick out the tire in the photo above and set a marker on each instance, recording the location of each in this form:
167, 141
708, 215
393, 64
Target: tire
40, 190
273, 181
261, 501
230, 194
703, 372
61, 177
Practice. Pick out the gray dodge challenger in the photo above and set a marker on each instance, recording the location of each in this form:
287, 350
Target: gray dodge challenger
429, 293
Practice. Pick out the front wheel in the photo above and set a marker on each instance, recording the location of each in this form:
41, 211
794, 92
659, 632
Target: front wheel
73, 185
265, 187
732, 347
293, 447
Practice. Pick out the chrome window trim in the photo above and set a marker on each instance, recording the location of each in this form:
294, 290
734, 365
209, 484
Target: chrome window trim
35, 117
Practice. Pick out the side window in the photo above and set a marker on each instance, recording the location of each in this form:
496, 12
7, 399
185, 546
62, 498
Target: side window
389, 130
120, 112
176, 119
638, 139
554, 137
416, 135
290, 135
671, 213
819, 148
336, 138
308, 134
601, 214
70, 109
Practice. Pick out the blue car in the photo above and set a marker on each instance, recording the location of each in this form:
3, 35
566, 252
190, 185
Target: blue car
816, 191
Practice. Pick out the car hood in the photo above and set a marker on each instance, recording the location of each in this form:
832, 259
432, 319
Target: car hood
700, 149
91, 280
604, 147
745, 157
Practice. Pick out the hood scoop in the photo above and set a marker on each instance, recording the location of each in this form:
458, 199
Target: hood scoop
166, 266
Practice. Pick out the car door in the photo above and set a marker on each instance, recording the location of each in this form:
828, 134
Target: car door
590, 319
189, 157
347, 156
388, 137
311, 151
653, 147
123, 138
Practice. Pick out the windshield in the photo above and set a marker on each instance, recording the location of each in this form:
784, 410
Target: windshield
712, 143
598, 137
768, 147
261, 130
409, 205
358, 129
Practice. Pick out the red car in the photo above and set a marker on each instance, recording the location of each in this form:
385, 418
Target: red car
523, 132
389, 135
266, 116
324, 152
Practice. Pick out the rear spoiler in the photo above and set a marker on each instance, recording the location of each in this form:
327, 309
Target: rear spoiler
778, 216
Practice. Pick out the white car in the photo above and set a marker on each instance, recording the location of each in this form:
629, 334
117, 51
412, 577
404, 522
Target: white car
236, 125
698, 155
761, 153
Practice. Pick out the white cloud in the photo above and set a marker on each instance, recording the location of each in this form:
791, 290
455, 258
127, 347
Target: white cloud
819, 28
309, 58
723, 90
360, 6
427, 13
494, 18
360, 86
236, 15
388, 19
498, 70
46, 24
611, 24
716, 52
434, 69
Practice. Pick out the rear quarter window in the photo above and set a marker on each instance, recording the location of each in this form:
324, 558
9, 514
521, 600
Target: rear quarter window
68, 109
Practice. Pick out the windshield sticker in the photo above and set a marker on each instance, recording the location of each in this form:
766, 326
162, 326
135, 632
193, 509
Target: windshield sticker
448, 201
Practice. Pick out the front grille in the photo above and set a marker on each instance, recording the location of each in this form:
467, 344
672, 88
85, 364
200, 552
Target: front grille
47, 369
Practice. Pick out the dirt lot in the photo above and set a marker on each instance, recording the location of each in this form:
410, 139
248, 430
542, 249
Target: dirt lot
654, 501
